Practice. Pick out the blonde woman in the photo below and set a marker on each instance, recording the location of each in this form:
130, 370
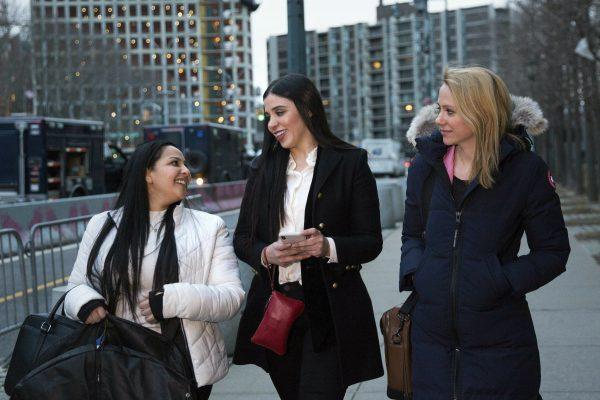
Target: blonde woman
474, 189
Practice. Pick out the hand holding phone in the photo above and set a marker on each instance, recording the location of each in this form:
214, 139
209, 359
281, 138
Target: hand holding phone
292, 238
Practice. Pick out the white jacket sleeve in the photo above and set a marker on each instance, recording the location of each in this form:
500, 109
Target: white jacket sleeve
220, 298
81, 291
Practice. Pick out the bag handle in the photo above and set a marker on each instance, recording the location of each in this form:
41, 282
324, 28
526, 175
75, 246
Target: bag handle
409, 304
271, 272
47, 324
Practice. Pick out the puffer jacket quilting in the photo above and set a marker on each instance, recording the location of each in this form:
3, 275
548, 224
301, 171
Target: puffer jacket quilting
209, 288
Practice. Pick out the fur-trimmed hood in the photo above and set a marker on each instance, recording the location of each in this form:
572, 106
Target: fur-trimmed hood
526, 112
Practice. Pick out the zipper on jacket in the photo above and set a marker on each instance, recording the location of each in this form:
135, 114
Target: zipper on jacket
455, 365
454, 304
98, 369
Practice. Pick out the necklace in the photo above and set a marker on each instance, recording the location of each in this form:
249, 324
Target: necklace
155, 226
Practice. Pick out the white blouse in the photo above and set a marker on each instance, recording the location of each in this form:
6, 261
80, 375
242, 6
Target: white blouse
296, 196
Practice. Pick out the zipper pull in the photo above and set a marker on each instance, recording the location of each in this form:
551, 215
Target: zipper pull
458, 214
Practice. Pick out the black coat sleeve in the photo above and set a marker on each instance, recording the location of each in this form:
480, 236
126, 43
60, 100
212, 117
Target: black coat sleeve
245, 249
413, 244
363, 243
87, 308
547, 237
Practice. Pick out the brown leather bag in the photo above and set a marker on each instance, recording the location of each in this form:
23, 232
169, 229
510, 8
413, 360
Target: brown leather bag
395, 328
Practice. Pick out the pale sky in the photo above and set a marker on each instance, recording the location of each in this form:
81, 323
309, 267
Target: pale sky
271, 19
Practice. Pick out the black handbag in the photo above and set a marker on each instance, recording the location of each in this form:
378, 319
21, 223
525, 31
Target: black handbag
38, 333
112, 360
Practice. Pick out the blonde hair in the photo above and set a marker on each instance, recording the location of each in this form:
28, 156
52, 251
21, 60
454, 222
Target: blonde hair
483, 101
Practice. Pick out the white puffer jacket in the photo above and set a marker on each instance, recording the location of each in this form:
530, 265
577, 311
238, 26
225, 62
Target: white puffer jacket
209, 288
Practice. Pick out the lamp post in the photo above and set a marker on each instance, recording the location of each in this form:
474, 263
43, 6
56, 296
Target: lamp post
165, 107
21, 126
296, 37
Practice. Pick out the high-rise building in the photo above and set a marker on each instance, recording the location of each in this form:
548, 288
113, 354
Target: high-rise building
470, 36
134, 62
338, 63
373, 78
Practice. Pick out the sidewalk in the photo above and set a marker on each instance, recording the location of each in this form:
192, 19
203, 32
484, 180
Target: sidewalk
566, 314
381, 278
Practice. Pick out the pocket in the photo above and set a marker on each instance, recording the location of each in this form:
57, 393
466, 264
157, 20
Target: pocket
419, 268
500, 282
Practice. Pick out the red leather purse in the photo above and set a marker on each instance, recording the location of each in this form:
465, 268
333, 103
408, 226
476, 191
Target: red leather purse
280, 313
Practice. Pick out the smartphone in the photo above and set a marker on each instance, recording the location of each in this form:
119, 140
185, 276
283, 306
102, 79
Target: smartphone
292, 238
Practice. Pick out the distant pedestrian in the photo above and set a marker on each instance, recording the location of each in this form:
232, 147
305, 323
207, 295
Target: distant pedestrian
308, 181
481, 188
155, 262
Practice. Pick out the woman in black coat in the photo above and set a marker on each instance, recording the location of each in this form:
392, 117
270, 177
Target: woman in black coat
309, 181
472, 334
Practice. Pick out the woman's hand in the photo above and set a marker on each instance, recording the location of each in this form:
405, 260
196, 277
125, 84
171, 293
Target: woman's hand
316, 245
283, 254
96, 316
146, 311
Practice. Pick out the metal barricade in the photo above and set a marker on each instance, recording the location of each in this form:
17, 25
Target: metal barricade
14, 292
53, 248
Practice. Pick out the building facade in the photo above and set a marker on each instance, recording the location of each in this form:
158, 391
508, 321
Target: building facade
131, 63
373, 78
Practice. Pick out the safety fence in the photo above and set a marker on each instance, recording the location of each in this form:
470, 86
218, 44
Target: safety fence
31, 268
14, 295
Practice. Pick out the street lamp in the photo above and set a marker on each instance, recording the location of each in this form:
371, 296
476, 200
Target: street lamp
21, 126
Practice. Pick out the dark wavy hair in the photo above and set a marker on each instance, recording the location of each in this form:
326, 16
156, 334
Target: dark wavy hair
120, 277
274, 159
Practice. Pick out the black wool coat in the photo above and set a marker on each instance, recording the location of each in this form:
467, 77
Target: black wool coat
343, 205
472, 333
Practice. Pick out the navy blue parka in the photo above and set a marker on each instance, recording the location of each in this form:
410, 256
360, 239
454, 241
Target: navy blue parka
472, 333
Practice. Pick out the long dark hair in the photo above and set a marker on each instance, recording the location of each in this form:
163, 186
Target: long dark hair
116, 281
274, 159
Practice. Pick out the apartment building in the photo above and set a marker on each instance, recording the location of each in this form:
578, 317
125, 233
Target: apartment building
373, 78
131, 63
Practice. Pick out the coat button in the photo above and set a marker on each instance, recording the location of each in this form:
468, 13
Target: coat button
319, 195
321, 226
348, 267
335, 285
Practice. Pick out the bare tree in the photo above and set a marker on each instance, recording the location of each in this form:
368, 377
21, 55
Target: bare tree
15, 76
544, 38
81, 72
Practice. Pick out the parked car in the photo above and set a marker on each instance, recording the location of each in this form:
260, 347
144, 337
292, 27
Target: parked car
385, 156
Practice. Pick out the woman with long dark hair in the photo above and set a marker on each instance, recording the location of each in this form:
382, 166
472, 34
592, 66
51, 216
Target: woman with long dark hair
155, 262
309, 182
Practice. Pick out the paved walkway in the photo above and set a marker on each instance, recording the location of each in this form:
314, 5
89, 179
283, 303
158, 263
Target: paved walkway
566, 314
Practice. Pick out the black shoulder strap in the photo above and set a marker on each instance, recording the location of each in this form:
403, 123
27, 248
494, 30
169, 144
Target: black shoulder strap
409, 304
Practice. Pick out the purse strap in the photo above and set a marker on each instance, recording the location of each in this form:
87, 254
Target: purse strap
409, 304
47, 324
271, 272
